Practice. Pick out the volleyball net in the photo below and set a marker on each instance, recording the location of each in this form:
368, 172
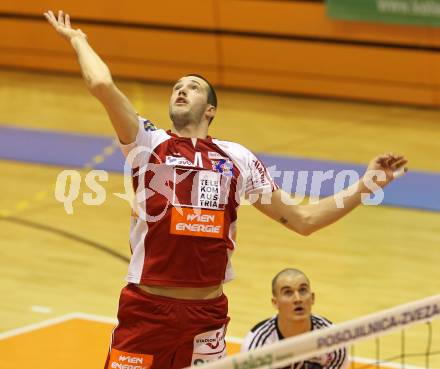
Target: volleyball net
410, 329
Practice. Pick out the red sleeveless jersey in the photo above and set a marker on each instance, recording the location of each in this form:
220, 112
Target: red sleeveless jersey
187, 192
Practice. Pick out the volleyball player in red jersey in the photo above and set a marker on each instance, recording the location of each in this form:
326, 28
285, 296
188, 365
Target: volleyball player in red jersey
173, 312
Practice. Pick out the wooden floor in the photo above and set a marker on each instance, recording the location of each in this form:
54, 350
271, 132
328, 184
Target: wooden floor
375, 258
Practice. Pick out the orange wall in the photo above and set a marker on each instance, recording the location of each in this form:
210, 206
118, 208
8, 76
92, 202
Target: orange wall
281, 46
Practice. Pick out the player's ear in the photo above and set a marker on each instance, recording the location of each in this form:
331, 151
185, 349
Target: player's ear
275, 303
210, 112
313, 298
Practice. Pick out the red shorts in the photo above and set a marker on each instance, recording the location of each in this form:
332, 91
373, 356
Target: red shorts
156, 332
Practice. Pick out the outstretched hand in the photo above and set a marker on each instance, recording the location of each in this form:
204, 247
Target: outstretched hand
390, 165
62, 25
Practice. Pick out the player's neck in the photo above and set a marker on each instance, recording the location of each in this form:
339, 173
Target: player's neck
191, 130
290, 329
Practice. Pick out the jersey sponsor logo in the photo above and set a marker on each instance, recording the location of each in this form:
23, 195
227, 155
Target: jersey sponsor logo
196, 188
197, 222
128, 360
223, 166
209, 346
184, 162
260, 169
212, 342
215, 155
178, 161
208, 190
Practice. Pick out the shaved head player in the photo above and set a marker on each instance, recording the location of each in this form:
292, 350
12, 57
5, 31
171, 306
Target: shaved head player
188, 186
293, 298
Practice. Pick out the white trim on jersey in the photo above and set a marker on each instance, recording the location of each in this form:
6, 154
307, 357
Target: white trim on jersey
139, 228
229, 273
137, 238
267, 332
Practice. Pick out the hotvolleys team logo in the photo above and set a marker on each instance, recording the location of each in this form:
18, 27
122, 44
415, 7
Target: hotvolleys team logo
223, 166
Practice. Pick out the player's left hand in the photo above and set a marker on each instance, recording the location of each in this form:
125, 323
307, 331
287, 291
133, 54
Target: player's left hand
393, 165
62, 25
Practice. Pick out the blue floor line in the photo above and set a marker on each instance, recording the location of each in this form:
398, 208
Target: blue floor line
417, 189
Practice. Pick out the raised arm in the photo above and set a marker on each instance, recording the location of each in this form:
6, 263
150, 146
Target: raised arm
306, 219
98, 79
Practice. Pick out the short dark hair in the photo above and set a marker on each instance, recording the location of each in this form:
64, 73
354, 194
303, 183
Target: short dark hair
284, 272
212, 96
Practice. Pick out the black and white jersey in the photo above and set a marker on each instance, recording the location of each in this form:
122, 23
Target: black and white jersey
267, 332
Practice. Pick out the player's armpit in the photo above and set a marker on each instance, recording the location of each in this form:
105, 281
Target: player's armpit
293, 217
120, 111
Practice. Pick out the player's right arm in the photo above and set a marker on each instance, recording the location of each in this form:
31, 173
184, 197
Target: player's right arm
98, 79
309, 218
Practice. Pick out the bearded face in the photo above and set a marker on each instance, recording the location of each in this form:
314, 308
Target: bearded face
189, 101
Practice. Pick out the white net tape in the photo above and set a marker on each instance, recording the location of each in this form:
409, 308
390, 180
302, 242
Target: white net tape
324, 340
